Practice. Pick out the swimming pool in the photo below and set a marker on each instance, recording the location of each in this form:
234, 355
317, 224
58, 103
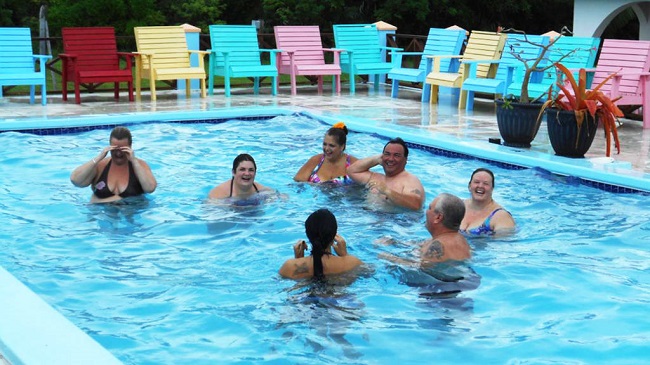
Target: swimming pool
172, 279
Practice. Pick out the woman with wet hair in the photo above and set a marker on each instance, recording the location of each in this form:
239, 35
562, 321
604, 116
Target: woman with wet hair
115, 173
321, 230
242, 184
330, 166
483, 215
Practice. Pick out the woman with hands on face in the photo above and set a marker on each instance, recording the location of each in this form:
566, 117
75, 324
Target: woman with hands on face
321, 229
120, 176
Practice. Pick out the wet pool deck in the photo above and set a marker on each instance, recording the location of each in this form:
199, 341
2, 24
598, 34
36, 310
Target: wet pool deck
443, 119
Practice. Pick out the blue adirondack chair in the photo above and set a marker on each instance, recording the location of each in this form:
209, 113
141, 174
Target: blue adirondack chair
439, 42
236, 53
17, 62
572, 52
526, 47
361, 52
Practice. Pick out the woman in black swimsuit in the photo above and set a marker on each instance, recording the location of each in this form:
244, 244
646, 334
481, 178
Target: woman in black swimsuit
120, 176
242, 184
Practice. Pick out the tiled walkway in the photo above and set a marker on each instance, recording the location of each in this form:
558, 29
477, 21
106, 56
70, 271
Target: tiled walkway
368, 104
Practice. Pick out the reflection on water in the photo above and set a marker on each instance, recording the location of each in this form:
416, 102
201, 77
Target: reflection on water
120, 217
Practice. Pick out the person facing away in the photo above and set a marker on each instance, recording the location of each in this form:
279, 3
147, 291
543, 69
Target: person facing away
331, 165
321, 229
484, 216
242, 184
443, 218
396, 186
120, 176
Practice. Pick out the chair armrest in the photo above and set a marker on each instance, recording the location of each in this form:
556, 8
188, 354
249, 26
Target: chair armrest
67, 56
410, 53
125, 54
42, 56
332, 50
193, 51
444, 56
271, 51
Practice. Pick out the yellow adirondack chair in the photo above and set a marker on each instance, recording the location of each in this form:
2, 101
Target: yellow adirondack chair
480, 46
163, 55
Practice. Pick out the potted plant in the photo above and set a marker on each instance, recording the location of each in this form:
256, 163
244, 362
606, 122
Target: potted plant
518, 118
572, 115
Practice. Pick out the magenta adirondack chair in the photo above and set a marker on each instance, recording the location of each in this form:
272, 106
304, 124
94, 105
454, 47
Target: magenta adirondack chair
303, 55
630, 60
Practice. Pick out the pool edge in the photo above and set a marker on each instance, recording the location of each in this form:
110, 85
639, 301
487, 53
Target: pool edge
32, 332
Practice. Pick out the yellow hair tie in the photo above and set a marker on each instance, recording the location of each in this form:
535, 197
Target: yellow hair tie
339, 125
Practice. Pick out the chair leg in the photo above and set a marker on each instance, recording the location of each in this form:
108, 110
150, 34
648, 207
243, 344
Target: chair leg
256, 86
274, 86
130, 86
394, 86
320, 84
32, 94
433, 99
116, 91
376, 82
77, 93
294, 90
426, 92
463, 99
187, 87
152, 87
352, 90
43, 94
226, 85
203, 93
469, 104
64, 88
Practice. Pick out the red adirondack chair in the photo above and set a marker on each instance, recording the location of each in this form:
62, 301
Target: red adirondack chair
91, 57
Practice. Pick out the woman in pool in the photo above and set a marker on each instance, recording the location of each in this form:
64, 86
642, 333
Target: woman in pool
320, 228
331, 165
242, 184
482, 214
120, 176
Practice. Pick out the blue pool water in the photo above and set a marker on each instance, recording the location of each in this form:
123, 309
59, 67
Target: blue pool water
172, 279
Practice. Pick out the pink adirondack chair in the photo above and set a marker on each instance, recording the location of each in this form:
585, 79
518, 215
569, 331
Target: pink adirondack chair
303, 55
630, 60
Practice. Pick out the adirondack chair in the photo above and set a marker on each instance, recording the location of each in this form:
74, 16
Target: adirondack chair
303, 54
17, 62
236, 53
480, 46
361, 52
574, 52
91, 56
439, 42
163, 55
515, 44
630, 60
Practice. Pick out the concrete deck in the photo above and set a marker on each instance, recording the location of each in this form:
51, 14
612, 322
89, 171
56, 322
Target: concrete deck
407, 110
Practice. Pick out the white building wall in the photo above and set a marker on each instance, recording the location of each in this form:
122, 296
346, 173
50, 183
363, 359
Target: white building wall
591, 17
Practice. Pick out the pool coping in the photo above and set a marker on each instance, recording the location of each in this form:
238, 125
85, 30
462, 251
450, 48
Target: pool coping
603, 173
32, 332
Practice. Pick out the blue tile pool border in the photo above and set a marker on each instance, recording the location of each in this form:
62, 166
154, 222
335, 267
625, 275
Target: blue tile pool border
616, 178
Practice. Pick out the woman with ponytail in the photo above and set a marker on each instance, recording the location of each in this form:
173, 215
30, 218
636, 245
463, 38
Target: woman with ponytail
321, 228
331, 166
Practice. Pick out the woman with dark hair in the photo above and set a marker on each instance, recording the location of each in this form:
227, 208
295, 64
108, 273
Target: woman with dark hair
321, 228
122, 175
331, 165
242, 184
482, 214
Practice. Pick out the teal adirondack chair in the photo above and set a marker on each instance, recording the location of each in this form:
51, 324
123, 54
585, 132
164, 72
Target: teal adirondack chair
581, 53
236, 53
361, 52
18, 63
439, 42
515, 44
